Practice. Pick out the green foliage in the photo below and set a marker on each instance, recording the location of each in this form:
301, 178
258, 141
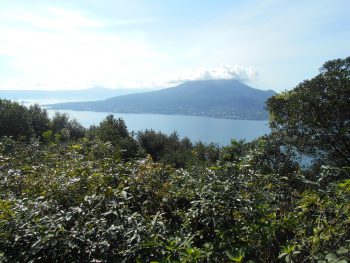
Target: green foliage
14, 120
24, 123
66, 129
314, 117
115, 131
166, 148
269, 154
112, 130
153, 142
209, 154
68, 198
38, 119
79, 201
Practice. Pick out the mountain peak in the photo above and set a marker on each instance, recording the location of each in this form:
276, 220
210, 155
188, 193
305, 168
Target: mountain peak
220, 98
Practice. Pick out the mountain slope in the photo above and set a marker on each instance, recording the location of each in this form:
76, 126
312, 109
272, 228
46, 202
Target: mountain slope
213, 98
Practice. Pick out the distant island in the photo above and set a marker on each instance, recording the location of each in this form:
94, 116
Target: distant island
224, 98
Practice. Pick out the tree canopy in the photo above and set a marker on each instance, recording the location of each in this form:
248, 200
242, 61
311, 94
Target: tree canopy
315, 116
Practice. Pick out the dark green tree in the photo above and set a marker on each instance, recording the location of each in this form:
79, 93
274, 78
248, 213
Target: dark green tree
168, 149
152, 142
268, 154
206, 153
39, 120
14, 120
177, 152
113, 130
116, 132
66, 128
59, 121
314, 117
76, 130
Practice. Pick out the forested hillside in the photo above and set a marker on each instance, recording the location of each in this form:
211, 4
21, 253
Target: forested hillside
103, 194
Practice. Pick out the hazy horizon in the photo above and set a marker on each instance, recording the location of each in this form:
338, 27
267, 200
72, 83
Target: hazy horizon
63, 45
135, 89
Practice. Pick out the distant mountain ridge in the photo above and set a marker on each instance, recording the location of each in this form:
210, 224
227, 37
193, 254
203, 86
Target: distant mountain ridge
97, 93
230, 99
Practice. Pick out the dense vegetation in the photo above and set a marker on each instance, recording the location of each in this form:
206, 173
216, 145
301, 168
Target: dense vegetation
70, 194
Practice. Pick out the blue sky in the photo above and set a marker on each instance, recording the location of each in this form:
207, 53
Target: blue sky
72, 44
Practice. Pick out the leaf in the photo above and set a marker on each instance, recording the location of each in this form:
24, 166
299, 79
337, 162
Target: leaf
342, 251
331, 256
230, 256
282, 255
236, 258
189, 251
125, 195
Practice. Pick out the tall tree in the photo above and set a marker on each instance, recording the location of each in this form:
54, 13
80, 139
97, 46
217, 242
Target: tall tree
39, 120
116, 132
14, 120
314, 117
113, 130
61, 124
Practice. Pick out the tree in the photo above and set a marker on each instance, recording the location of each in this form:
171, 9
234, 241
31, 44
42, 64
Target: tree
209, 153
76, 130
169, 149
14, 120
112, 130
153, 143
66, 128
314, 117
39, 121
116, 132
268, 154
59, 121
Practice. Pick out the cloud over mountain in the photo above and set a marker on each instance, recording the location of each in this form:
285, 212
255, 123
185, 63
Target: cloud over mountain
224, 71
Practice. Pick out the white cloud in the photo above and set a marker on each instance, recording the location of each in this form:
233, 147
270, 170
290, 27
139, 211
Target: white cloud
79, 44
224, 71
61, 49
51, 18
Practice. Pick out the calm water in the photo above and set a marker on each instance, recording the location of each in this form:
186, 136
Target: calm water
203, 129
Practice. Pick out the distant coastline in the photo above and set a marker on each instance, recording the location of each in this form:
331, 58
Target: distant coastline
223, 99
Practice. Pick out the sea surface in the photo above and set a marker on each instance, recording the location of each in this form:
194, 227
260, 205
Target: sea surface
205, 129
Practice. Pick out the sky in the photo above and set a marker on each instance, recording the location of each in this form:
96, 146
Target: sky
77, 44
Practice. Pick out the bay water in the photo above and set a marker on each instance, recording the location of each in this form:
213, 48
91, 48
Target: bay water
205, 129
